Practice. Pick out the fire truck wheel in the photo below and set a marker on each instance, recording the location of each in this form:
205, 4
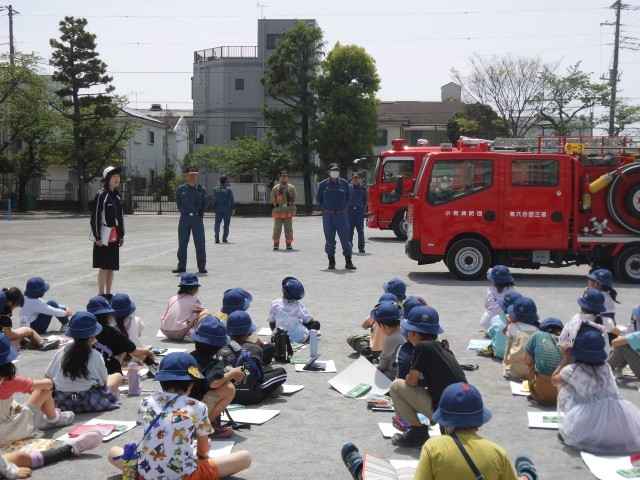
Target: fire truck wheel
468, 259
399, 225
627, 264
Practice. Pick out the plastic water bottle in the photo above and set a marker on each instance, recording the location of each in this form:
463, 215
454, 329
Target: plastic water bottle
133, 379
313, 343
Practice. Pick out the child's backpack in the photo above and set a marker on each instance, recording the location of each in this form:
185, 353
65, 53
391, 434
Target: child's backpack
284, 350
249, 389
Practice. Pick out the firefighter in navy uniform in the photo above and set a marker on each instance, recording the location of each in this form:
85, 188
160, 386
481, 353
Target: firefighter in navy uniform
225, 205
356, 208
333, 196
192, 201
283, 199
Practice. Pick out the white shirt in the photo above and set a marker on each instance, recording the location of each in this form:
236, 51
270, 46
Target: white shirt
97, 373
34, 307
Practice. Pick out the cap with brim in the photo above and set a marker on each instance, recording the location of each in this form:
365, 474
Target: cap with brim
223, 179
192, 169
283, 173
423, 320
189, 280
355, 174
83, 325
500, 274
592, 300
240, 323
589, 346
98, 305
7, 352
212, 332
461, 406
110, 171
602, 276
334, 166
386, 312
551, 322
508, 299
293, 288
524, 310
3, 301
36, 287
397, 287
178, 366
122, 305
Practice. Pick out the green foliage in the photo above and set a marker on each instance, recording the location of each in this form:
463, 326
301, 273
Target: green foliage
347, 103
165, 184
476, 120
625, 116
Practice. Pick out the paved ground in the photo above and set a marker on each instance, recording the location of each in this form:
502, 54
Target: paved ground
303, 442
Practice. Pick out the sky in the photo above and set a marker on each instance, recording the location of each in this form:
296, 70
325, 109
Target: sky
148, 45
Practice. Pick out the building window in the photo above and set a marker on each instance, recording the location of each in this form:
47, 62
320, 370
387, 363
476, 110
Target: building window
138, 137
241, 130
239, 83
454, 179
151, 137
273, 39
534, 173
381, 138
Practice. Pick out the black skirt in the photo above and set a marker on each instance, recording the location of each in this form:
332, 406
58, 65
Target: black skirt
107, 258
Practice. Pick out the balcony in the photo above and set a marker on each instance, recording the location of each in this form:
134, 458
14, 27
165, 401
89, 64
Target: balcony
219, 53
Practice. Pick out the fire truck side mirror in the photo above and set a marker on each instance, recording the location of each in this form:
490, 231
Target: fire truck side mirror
399, 187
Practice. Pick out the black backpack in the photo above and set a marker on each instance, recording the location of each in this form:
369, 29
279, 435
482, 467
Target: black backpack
284, 350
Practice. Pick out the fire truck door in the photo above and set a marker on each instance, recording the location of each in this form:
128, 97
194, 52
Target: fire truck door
537, 196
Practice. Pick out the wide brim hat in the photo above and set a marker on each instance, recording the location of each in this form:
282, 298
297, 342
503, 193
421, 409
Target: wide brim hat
212, 332
98, 305
524, 310
189, 280
36, 287
500, 274
423, 320
235, 299
507, 300
397, 287
7, 352
410, 303
83, 325
589, 346
592, 300
551, 322
386, 312
178, 366
602, 276
293, 288
108, 172
122, 305
240, 323
461, 406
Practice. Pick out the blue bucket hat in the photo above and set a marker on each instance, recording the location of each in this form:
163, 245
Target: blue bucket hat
178, 366
239, 323
592, 300
602, 276
508, 299
397, 287
551, 322
461, 406
212, 332
293, 289
189, 280
500, 274
83, 325
36, 287
423, 320
388, 297
7, 352
589, 346
122, 305
410, 303
98, 305
235, 299
524, 310
386, 312
3, 300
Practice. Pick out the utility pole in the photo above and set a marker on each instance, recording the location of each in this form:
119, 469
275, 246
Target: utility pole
11, 45
613, 77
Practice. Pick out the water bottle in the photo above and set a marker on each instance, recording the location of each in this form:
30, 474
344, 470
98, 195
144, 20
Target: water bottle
313, 343
133, 379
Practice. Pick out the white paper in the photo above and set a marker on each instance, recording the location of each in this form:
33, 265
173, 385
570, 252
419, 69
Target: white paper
536, 420
388, 430
171, 350
160, 334
398, 464
604, 468
476, 344
219, 448
361, 371
290, 389
99, 421
516, 389
252, 416
264, 332
329, 364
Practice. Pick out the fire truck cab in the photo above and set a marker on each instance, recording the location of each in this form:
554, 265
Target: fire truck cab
475, 209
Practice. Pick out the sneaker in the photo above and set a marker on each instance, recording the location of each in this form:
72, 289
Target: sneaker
47, 345
531, 400
618, 373
29, 345
86, 441
525, 468
221, 432
485, 352
352, 459
153, 370
64, 419
277, 392
412, 438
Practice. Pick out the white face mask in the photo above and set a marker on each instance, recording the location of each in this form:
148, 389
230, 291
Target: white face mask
334, 173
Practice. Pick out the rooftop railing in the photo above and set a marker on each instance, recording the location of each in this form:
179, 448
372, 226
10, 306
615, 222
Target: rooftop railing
219, 53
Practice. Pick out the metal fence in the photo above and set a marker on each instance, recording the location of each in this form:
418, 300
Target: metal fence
218, 53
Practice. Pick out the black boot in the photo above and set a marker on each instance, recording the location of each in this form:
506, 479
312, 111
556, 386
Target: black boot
217, 239
332, 262
348, 264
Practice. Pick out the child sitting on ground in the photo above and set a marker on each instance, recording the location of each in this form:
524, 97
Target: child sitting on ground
374, 338
502, 283
238, 299
36, 313
542, 357
387, 316
626, 348
258, 382
496, 331
591, 309
404, 353
172, 422
78, 372
27, 337
289, 314
19, 421
523, 322
123, 318
184, 311
602, 280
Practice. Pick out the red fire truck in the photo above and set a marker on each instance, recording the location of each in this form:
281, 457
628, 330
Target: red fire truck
387, 209
475, 209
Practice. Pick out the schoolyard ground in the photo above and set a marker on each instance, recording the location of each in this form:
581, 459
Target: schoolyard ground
304, 440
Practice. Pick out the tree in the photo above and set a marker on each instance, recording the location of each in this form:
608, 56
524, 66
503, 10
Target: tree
476, 120
347, 103
513, 85
292, 70
625, 116
566, 96
96, 137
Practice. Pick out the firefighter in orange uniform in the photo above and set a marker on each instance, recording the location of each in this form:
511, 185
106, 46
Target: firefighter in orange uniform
283, 199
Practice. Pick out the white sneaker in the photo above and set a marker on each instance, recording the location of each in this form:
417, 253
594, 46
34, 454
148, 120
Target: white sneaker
63, 327
618, 373
87, 441
64, 419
